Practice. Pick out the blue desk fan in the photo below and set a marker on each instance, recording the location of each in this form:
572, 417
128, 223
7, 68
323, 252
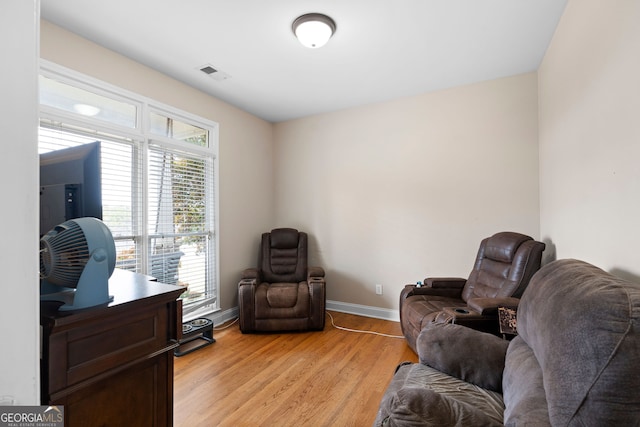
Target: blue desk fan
77, 258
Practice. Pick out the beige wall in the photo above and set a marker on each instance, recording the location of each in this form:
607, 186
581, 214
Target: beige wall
589, 95
245, 151
393, 192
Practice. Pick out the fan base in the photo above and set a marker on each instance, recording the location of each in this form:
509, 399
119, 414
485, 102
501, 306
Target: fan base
66, 296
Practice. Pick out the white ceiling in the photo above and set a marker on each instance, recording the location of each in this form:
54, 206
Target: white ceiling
382, 49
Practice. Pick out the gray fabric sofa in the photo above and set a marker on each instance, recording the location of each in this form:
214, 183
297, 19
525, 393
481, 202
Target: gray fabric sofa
574, 362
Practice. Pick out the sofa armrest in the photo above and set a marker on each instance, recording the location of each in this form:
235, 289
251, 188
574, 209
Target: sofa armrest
489, 306
470, 355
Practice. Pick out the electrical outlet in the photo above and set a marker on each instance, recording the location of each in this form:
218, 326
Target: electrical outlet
378, 289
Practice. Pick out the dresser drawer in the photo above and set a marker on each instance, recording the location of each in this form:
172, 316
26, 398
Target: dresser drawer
107, 342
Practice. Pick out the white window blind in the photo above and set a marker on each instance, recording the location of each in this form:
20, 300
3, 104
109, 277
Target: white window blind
180, 222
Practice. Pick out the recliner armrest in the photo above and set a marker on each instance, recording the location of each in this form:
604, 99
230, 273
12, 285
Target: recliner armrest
318, 296
411, 290
246, 299
251, 273
489, 306
445, 282
315, 281
450, 287
315, 272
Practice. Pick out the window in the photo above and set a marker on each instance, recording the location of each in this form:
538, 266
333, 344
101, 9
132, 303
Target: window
158, 179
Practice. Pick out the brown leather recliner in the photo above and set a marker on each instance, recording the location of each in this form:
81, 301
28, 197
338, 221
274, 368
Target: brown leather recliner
504, 265
282, 294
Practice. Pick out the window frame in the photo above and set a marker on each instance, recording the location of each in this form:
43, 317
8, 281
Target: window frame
142, 133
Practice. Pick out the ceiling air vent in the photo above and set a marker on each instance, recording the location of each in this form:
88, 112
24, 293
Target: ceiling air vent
214, 73
208, 69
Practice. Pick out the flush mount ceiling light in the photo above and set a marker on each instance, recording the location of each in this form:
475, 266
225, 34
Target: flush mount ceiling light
313, 30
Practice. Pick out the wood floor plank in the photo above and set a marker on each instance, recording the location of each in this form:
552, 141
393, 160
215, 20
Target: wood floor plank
331, 377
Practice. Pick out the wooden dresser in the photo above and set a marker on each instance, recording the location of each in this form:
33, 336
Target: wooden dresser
112, 365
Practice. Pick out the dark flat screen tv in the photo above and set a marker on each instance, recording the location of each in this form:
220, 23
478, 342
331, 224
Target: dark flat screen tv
70, 185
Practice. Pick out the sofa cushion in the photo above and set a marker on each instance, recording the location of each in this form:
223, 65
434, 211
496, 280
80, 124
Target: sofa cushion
419, 395
581, 324
282, 300
467, 354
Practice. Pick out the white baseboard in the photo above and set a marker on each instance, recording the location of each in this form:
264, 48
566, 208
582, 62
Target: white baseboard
364, 310
220, 317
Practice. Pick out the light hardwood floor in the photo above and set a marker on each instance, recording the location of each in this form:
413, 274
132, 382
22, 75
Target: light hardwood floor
327, 378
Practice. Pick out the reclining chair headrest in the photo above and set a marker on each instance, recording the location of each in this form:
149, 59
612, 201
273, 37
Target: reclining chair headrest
284, 238
503, 246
